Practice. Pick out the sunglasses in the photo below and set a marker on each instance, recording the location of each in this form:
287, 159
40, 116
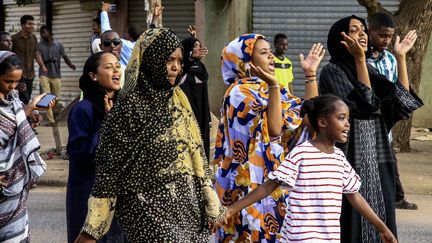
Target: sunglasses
108, 43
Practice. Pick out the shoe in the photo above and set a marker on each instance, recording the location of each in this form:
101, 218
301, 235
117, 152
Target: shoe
404, 204
35, 131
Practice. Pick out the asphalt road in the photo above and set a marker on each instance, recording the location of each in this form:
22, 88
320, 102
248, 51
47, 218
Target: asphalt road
48, 218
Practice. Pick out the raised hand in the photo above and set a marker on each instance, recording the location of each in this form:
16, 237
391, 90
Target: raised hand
311, 62
105, 6
192, 30
199, 52
353, 46
401, 48
157, 10
270, 79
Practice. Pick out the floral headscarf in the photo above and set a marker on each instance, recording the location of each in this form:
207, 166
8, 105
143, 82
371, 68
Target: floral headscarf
236, 55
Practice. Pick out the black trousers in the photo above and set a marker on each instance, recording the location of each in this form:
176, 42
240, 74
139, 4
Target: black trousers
26, 95
400, 193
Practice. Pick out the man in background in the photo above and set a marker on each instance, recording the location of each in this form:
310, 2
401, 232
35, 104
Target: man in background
25, 46
51, 52
283, 66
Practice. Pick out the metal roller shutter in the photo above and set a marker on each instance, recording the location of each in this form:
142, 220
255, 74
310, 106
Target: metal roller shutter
72, 27
178, 15
13, 15
305, 23
137, 14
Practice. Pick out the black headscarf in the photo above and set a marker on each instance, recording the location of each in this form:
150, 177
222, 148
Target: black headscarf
381, 87
92, 90
197, 93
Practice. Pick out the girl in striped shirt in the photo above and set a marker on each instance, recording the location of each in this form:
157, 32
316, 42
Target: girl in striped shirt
317, 174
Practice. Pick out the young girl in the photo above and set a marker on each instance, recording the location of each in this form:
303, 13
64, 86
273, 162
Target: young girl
317, 174
100, 83
20, 164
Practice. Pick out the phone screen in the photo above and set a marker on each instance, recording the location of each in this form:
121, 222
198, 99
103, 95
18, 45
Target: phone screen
45, 101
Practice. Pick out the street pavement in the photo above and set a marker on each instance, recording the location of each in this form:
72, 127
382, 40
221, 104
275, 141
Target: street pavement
47, 207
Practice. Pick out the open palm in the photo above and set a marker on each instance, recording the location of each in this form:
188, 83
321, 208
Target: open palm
311, 62
402, 47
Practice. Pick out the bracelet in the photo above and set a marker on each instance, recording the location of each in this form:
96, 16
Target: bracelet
310, 76
273, 86
307, 81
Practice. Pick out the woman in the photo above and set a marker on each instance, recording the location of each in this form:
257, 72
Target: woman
150, 167
100, 84
258, 125
20, 164
375, 106
194, 85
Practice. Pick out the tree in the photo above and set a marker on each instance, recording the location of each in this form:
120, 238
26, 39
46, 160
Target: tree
410, 15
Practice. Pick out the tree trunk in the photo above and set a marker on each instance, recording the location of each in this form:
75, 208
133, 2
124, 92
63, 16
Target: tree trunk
410, 15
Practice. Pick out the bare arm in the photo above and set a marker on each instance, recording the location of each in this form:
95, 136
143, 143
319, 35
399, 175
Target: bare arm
356, 50
256, 195
310, 66
68, 62
39, 60
274, 106
360, 204
401, 49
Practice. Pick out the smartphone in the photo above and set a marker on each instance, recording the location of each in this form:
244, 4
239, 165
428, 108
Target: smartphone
45, 101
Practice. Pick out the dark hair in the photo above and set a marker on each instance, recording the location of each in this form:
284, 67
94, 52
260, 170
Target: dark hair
318, 107
279, 36
3, 33
107, 32
92, 90
97, 20
46, 28
10, 63
381, 19
26, 17
134, 31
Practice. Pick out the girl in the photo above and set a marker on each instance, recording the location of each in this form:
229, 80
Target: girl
259, 122
151, 169
317, 174
100, 84
376, 104
20, 164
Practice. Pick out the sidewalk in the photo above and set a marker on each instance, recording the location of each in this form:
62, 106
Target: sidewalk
57, 168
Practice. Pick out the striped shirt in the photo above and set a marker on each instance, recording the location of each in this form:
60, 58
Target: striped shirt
386, 65
317, 181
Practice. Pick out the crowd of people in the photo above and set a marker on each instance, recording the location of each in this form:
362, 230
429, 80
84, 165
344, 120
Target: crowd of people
317, 168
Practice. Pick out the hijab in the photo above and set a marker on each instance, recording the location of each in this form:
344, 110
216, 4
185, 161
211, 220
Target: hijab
236, 57
146, 70
340, 56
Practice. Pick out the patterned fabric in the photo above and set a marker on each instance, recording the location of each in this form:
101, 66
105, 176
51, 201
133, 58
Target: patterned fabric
151, 159
245, 153
386, 64
20, 164
372, 114
317, 180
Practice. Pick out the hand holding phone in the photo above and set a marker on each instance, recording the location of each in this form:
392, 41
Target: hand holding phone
45, 101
